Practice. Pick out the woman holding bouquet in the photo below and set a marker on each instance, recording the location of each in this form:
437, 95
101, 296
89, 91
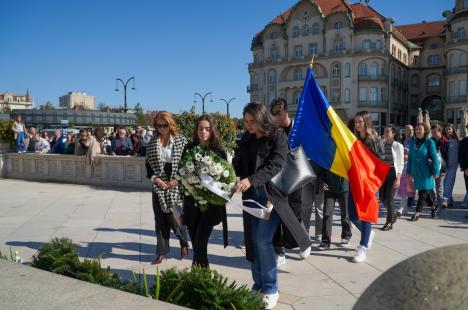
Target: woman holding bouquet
200, 222
162, 160
260, 156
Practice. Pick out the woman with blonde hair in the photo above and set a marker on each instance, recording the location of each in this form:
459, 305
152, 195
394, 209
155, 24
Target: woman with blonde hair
163, 155
20, 130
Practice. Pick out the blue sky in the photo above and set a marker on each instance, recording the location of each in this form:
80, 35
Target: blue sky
173, 48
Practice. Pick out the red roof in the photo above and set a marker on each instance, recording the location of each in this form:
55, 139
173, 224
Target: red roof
423, 30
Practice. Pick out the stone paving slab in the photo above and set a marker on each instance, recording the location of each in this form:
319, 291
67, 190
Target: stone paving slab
118, 225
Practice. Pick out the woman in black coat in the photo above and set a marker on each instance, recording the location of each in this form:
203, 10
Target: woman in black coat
200, 223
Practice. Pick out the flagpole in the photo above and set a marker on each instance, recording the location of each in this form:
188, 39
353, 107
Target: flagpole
311, 65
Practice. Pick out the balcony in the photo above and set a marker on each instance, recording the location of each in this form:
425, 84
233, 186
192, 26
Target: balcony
372, 77
372, 104
252, 87
456, 99
456, 70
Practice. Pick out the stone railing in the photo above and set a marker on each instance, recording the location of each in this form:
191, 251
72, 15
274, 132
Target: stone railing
121, 171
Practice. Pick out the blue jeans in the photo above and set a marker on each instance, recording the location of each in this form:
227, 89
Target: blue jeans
449, 183
20, 142
264, 271
364, 227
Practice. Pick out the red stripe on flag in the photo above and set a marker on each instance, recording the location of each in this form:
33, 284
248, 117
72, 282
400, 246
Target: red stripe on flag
366, 175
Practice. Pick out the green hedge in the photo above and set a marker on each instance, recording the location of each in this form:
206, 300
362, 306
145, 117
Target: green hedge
6, 131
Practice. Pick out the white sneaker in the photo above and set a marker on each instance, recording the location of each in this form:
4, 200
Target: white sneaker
361, 254
306, 253
371, 239
270, 300
345, 243
280, 260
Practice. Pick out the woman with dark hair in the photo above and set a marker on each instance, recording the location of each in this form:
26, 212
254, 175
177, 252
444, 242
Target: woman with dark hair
19, 130
200, 223
259, 157
452, 164
163, 155
366, 134
423, 166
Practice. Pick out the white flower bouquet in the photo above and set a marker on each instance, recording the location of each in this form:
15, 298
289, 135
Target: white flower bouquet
201, 160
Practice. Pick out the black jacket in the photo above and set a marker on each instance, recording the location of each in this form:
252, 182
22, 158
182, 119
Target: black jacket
463, 154
214, 215
270, 157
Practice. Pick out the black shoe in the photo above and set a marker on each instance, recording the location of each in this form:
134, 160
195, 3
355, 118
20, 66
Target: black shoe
433, 212
398, 214
324, 246
387, 226
414, 218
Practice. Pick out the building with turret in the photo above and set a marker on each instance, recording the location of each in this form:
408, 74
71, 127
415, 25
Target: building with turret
11, 101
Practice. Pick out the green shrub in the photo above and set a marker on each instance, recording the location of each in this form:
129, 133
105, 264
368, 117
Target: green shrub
58, 256
202, 288
6, 131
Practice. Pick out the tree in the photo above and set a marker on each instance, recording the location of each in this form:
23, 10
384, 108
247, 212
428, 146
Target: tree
138, 108
5, 108
103, 107
141, 119
47, 106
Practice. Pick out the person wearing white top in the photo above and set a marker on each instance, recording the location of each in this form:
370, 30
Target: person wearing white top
392, 153
20, 130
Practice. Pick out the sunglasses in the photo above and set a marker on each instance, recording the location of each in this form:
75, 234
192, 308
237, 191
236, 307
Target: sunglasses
162, 125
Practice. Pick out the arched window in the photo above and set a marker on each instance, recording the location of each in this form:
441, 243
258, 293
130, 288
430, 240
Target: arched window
433, 83
347, 70
374, 69
363, 69
378, 44
305, 30
315, 28
274, 54
338, 25
298, 74
295, 32
272, 76
434, 60
339, 46
366, 44
297, 98
347, 95
274, 35
414, 80
253, 78
336, 70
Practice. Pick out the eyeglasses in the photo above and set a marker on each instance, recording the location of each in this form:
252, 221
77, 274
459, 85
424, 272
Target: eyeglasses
162, 125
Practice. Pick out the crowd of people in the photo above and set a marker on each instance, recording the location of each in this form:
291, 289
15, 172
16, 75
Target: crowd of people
123, 142
424, 163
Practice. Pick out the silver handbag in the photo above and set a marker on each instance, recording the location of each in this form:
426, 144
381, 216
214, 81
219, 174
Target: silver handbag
296, 172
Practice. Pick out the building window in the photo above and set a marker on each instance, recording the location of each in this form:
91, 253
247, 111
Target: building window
306, 16
298, 51
297, 98
433, 82
463, 59
339, 46
275, 54
336, 96
253, 79
347, 95
434, 46
462, 88
399, 54
298, 74
366, 44
393, 50
434, 60
378, 44
383, 94
404, 58
347, 70
363, 69
305, 30
373, 95
362, 94
315, 28
338, 25
272, 77
465, 4
415, 60
313, 49
414, 80
295, 32
273, 35
336, 70
374, 69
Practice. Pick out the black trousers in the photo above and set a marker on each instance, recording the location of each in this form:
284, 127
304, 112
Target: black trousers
283, 237
387, 195
329, 207
427, 196
164, 222
200, 235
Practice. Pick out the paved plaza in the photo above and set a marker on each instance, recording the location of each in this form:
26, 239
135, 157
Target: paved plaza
118, 225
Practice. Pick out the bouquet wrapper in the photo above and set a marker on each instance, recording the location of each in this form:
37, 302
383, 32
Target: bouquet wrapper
260, 211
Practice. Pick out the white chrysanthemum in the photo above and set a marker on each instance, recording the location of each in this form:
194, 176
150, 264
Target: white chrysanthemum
198, 156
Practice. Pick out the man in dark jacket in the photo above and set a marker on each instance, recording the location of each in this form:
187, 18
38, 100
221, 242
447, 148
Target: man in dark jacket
442, 148
463, 160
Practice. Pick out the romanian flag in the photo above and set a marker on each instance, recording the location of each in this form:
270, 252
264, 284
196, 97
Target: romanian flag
329, 143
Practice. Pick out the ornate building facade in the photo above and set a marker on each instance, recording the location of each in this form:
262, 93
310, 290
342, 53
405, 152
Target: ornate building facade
10, 101
362, 60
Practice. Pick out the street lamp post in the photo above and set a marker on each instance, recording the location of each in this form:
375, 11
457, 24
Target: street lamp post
203, 100
125, 89
227, 103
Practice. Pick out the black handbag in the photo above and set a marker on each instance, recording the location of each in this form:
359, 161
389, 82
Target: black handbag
296, 172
